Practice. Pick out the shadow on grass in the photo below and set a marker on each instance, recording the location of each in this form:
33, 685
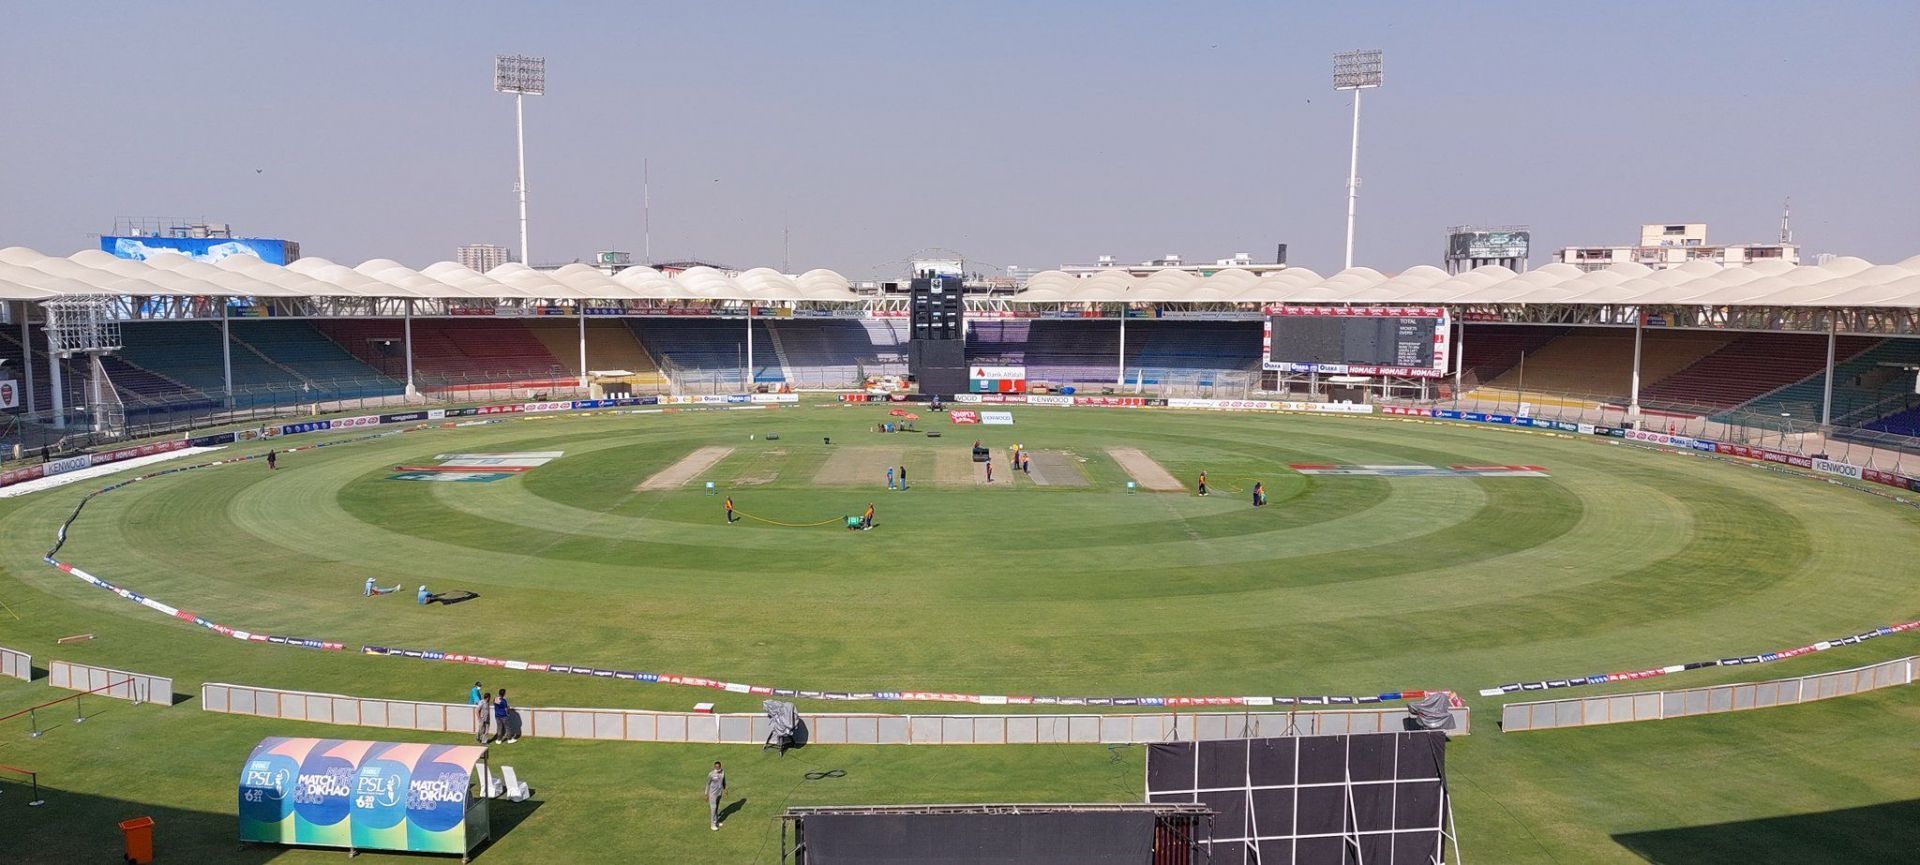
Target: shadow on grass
1873, 833
458, 596
81, 827
730, 810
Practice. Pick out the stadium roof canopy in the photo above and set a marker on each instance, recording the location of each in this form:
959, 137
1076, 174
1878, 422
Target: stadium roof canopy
1842, 282
29, 275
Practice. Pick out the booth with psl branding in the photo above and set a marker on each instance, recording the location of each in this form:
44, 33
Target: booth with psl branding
361, 795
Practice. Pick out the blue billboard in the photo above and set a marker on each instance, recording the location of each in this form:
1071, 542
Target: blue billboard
208, 249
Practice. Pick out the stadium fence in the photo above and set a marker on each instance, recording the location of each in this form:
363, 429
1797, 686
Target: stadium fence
635, 725
119, 684
18, 665
1712, 699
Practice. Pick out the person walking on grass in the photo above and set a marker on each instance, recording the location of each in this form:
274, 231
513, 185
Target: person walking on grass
273, 460
903, 477
473, 696
866, 520
989, 471
716, 787
889, 477
730, 517
1203, 482
1259, 494
482, 717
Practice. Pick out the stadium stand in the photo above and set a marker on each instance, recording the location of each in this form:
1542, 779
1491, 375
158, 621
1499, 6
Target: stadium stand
1748, 366
449, 350
1905, 422
610, 345
1052, 351
1492, 349
42, 383
709, 349
190, 353
1599, 362
1868, 384
838, 352
318, 361
1193, 345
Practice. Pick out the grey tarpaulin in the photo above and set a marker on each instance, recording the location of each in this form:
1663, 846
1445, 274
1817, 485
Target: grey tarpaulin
1432, 713
783, 724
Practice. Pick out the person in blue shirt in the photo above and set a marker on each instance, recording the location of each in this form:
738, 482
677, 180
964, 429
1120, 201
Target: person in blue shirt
504, 730
473, 696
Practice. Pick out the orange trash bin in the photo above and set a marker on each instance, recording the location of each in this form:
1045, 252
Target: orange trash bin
139, 837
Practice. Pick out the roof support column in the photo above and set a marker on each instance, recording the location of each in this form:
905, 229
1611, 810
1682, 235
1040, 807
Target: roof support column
53, 378
1826, 396
226, 351
746, 384
1459, 359
1120, 363
406, 324
26, 357
1639, 331
580, 307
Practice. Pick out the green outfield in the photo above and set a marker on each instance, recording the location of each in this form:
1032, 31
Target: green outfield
1064, 582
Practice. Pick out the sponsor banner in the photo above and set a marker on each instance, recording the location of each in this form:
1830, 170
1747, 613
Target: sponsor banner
1019, 372
997, 418
1406, 412
1651, 672
967, 397
307, 427
18, 476
355, 422
447, 477
1115, 401
9, 393
495, 409
1360, 311
1584, 429
70, 464
963, 416
535, 407
1047, 399
774, 397
404, 417
358, 795
858, 397
1830, 467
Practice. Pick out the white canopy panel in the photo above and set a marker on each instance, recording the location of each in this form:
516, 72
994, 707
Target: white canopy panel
29, 275
1840, 282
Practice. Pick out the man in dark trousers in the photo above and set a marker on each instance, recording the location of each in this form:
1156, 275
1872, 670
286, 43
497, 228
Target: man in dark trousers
730, 516
504, 731
716, 787
1259, 494
273, 460
989, 471
866, 520
1203, 483
903, 477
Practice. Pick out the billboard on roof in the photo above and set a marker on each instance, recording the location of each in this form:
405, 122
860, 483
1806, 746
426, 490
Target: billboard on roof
208, 249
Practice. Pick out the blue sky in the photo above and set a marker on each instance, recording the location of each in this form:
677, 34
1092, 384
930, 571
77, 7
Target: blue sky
1015, 133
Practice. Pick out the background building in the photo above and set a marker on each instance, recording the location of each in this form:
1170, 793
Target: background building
482, 256
1668, 245
1173, 261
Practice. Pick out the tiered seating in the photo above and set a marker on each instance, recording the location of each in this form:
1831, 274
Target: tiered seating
1905, 422
326, 366
1599, 362
837, 352
1749, 366
1865, 385
190, 353
710, 348
10, 349
449, 350
1052, 351
610, 345
1153, 346
1492, 349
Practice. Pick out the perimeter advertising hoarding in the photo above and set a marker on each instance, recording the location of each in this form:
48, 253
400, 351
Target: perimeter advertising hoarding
9, 393
208, 249
362, 795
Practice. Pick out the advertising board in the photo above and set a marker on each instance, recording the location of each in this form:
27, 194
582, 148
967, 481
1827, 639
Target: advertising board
9, 393
208, 249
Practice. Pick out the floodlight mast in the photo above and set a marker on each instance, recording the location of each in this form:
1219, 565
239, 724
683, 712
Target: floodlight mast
1355, 71
522, 77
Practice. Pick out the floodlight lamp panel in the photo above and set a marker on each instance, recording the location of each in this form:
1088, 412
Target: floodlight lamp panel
1357, 70
514, 73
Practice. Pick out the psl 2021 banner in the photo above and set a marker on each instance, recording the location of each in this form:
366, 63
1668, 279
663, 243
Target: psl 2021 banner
364, 795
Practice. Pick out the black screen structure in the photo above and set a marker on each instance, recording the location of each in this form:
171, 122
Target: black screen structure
1366, 345
1374, 798
996, 835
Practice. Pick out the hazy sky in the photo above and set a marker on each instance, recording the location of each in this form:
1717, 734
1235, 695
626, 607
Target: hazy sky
1015, 133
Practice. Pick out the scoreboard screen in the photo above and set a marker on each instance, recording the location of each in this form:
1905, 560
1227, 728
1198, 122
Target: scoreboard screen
1409, 342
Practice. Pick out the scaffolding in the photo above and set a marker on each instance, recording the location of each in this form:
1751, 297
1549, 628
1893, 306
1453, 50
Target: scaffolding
89, 326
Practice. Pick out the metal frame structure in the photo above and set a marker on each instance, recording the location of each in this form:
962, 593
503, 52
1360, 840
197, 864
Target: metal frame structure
796, 816
522, 77
1355, 71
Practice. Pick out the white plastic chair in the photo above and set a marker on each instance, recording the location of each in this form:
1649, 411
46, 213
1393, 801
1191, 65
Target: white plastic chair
517, 790
494, 788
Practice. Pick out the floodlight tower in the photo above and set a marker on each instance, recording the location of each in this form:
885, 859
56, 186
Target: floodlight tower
522, 77
1355, 71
